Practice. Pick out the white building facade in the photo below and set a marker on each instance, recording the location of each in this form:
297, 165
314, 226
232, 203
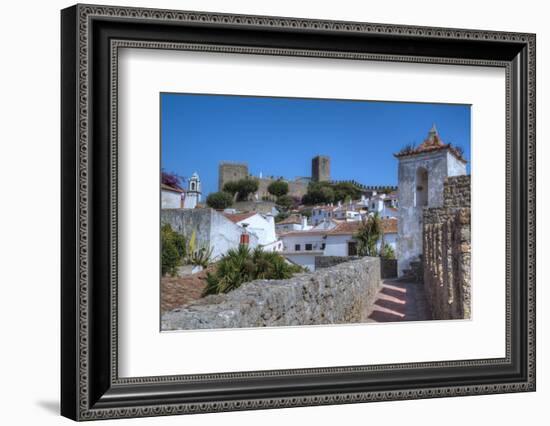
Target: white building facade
171, 197
421, 174
261, 225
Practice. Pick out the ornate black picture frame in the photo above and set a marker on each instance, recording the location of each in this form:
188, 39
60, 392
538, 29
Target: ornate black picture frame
91, 388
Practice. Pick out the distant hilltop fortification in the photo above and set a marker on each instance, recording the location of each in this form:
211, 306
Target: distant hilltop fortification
297, 187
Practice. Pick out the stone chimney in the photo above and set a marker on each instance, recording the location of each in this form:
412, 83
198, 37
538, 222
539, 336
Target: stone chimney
245, 236
304, 222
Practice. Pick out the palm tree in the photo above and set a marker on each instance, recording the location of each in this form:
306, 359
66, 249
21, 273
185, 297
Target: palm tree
368, 235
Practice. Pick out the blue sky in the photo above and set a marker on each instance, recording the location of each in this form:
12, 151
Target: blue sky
280, 136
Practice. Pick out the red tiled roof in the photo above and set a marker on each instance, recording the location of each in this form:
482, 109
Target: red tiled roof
237, 217
432, 143
389, 225
304, 233
171, 188
346, 228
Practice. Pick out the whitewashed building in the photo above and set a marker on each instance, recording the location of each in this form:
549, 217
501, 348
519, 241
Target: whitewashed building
294, 222
383, 204
338, 239
322, 213
261, 225
171, 197
301, 247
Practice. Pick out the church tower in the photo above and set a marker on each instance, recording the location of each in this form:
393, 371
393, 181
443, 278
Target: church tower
193, 193
422, 172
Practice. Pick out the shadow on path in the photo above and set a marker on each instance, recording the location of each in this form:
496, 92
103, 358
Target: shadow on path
400, 301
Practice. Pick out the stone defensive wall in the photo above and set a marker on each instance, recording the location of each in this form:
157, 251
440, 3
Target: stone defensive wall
340, 294
388, 267
447, 252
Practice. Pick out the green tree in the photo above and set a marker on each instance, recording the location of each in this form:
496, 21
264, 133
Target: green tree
285, 201
242, 187
387, 252
343, 190
367, 236
219, 200
231, 187
278, 188
318, 195
246, 187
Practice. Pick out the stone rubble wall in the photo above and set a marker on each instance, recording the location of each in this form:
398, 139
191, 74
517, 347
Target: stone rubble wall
447, 252
388, 267
328, 261
340, 294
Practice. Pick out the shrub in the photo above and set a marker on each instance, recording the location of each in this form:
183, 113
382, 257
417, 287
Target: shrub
278, 188
242, 265
219, 200
281, 216
285, 201
173, 249
200, 257
387, 252
306, 212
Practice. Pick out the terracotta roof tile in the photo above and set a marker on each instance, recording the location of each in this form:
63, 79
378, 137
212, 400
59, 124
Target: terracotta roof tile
237, 217
389, 225
346, 228
304, 233
432, 143
171, 188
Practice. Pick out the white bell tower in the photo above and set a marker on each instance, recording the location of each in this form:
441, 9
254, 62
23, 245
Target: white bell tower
421, 176
193, 194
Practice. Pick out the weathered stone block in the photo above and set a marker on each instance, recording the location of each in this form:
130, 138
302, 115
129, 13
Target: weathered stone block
447, 247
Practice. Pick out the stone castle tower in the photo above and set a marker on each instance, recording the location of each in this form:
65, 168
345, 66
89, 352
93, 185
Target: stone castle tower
320, 168
422, 172
229, 172
193, 193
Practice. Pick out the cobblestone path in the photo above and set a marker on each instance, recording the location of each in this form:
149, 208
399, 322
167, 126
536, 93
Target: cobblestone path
400, 301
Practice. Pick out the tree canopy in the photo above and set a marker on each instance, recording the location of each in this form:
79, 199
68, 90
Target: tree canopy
278, 188
242, 187
219, 200
329, 192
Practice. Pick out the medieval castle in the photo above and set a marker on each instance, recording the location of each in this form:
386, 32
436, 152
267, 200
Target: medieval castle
320, 172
